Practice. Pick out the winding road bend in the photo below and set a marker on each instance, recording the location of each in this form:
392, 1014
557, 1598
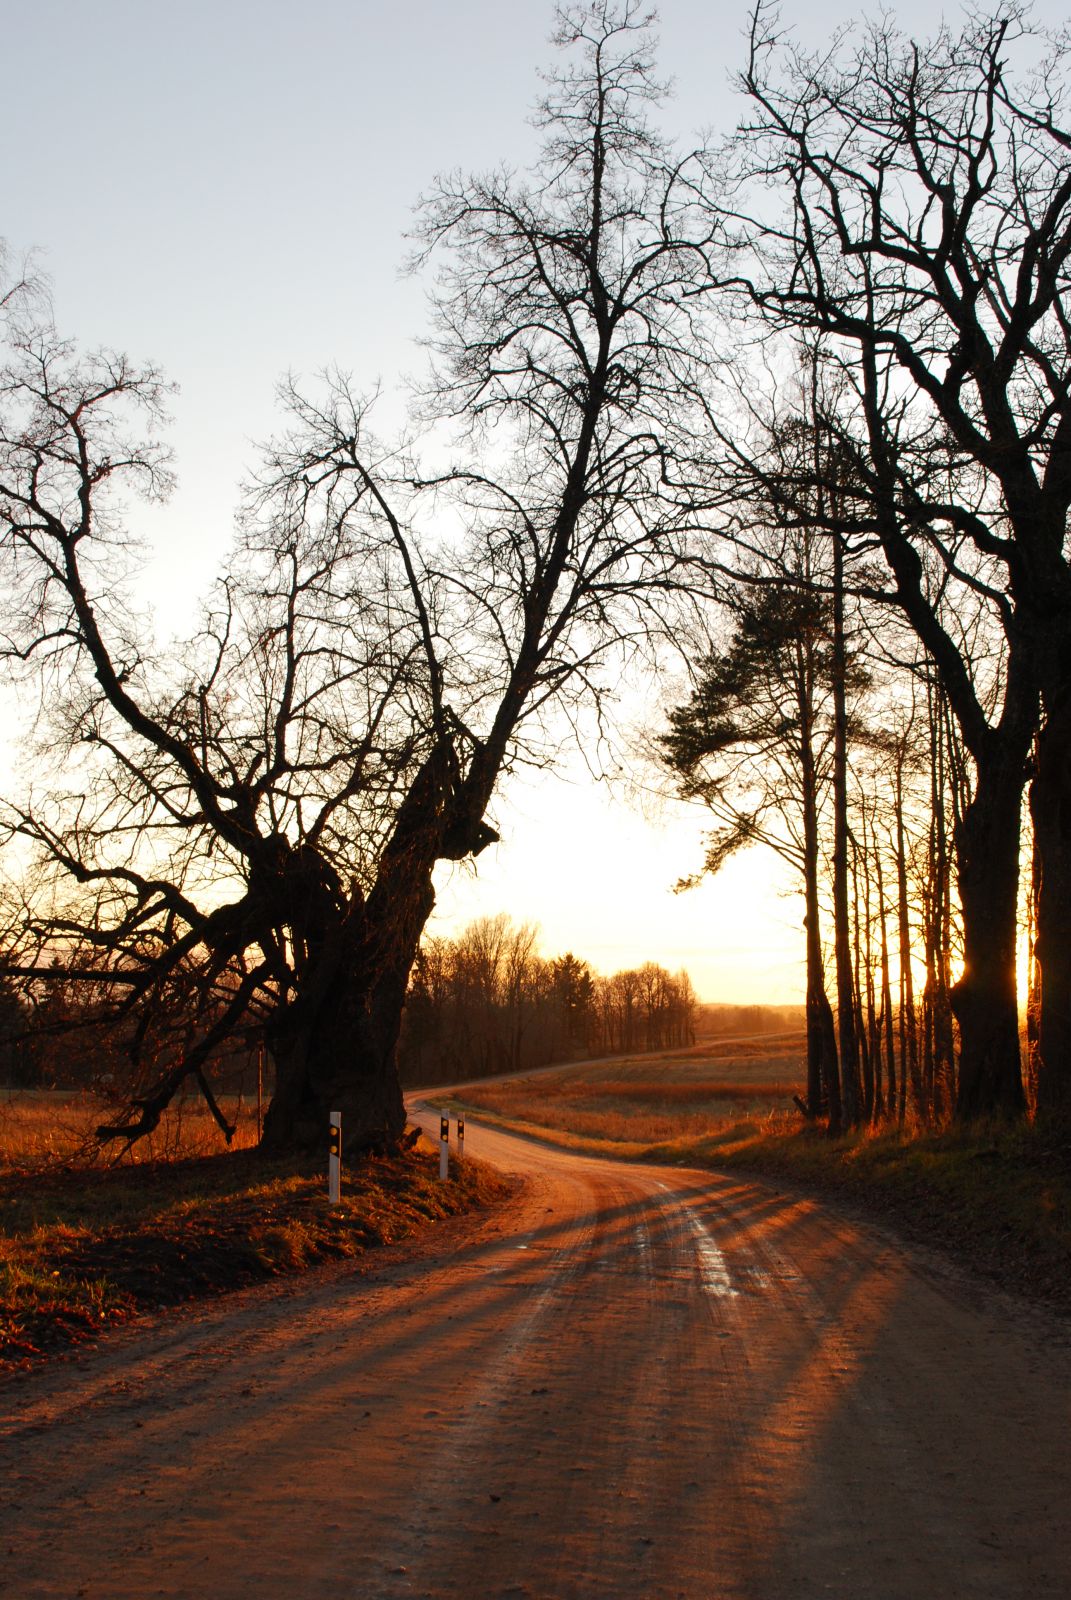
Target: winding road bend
630, 1382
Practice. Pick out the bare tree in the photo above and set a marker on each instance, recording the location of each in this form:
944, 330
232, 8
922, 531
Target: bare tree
478, 1004
255, 817
21, 286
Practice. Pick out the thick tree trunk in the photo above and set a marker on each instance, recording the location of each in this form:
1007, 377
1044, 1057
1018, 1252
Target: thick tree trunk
984, 1000
341, 1057
335, 1046
1050, 808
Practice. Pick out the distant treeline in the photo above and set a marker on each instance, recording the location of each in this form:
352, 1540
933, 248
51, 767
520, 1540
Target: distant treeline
63, 1033
482, 1003
488, 1002
715, 1020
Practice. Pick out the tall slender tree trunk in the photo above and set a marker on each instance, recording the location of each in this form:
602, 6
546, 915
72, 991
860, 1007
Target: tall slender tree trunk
909, 1038
889, 1107
949, 761
870, 853
1033, 1000
937, 869
864, 987
823, 1073
849, 1045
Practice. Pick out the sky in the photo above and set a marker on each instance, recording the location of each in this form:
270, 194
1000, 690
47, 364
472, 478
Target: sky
225, 189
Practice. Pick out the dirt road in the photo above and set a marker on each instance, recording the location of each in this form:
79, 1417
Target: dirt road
634, 1382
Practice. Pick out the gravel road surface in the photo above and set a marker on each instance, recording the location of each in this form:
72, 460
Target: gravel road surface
631, 1382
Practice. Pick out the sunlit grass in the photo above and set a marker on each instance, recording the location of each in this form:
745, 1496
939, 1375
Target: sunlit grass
47, 1127
655, 1106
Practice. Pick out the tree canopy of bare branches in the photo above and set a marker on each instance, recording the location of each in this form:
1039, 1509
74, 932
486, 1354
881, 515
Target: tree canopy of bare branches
250, 821
919, 244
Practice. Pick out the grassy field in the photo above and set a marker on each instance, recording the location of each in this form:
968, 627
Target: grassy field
43, 1127
997, 1197
664, 1107
87, 1240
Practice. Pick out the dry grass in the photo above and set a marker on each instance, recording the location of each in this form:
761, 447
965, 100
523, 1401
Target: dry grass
79, 1250
654, 1106
89, 1238
43, 1128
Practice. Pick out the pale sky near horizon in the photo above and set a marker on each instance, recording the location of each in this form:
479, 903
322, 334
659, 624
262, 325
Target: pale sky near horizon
224, 188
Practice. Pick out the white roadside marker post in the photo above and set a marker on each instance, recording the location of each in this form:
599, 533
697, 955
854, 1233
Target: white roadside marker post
444, 1148
461, 1138
334, 1159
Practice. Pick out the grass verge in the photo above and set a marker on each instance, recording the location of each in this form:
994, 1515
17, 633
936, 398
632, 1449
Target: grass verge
996, 1198
80, 1250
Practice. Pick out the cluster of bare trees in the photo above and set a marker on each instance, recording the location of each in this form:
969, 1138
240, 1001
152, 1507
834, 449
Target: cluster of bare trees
644, 1008
717, 1019
914, 285
489, 1002
821, 374
816, 731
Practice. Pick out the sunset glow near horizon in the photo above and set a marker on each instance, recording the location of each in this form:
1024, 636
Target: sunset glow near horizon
236, 209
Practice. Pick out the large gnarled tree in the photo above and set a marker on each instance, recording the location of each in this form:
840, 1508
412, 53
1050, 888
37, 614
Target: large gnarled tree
249, 825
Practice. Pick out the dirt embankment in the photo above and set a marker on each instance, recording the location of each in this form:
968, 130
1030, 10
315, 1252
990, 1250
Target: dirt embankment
80, 1251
